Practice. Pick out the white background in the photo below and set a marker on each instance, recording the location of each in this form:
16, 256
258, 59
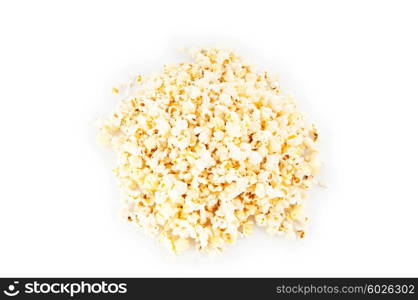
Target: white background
352, 65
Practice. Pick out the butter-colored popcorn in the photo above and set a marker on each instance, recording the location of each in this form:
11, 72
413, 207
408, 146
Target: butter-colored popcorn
206, 150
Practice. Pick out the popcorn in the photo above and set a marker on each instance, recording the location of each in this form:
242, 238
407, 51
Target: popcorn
207, 150
181, 245
260, 191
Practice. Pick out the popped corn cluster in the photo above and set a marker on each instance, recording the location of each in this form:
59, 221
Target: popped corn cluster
205, 150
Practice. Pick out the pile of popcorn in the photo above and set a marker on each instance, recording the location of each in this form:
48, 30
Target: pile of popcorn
206, 150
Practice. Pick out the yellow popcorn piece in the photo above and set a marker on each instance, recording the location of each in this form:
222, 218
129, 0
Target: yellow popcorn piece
181, 245
247, 228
